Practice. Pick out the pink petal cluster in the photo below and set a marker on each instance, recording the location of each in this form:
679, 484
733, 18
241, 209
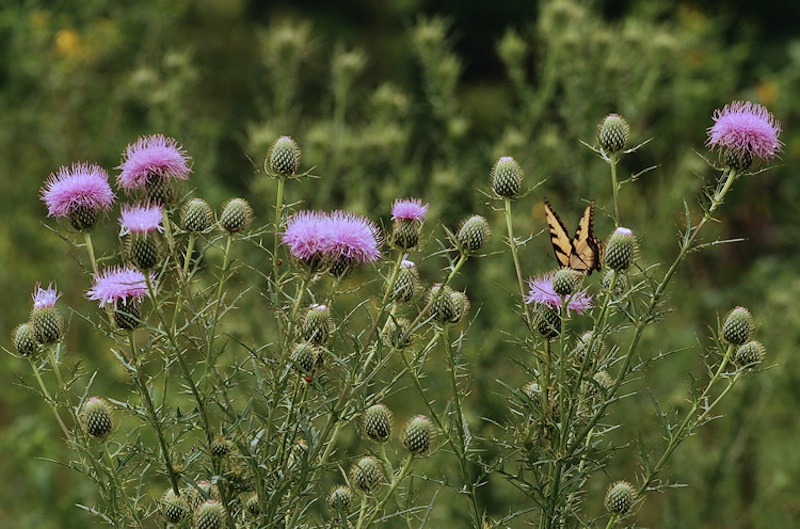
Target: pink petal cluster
330, 236
746, 127
118, 284
140, 219
45, 298
156, 154
81, 185
409, 209
542, 291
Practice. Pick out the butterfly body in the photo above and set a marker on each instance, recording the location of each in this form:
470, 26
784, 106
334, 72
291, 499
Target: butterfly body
581, 253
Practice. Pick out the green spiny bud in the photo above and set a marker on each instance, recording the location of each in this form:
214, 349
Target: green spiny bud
565, 282
460, 304
395, 332
317, 324
96, 417
209, 515
173, 507
220, 447
619, 498
143, 250
613, 133
127, 314
24, 339
620, 286
367, 474
620, 249
473, 234
405, 233
418, 435
582, 345
84, 217
750, 354
305, 358
236, 215
442, 307
737, 326
159, 190
340, 498
197, 216
377, 423
547, 320
48, 325
407, 283
201, 492
506, 177
283, 158
739, 159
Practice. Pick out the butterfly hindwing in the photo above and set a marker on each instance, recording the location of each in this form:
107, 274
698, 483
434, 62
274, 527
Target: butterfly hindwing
581, 253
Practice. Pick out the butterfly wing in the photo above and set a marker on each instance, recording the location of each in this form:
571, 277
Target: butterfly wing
562, 244
586, 248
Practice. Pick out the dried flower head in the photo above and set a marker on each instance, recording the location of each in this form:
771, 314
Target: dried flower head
542, 292
79, 193
150, 156
743, 131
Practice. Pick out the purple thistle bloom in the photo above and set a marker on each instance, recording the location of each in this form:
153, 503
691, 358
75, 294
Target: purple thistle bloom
140, 219
405, 263
354, 238
45, 298
542, 291
152, 155
747, 128
307, 234
79, 186
116, 284
409, 209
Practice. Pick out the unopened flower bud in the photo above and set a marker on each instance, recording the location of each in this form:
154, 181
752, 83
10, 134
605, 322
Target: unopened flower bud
317, 324
418, 435
127, 314
619, 498
143, 250
460, 303
340, 498
236, 215
96, 417
283, 158
396, 332
565, 282
24, 340
197, 216
378, 423
407, 283
209, 515
737, 326
750, 354
582, 345
174, 508
620, 249
367, 474
547, 321
506, 177
473, 234
305, 357
220, 447
613, 133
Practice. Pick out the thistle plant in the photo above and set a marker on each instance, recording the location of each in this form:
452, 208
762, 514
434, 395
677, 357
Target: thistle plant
257, 390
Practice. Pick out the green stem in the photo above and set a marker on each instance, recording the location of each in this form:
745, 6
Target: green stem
278, 219
187, 259
118, 486
48, 398
512, 244
612, 161
396, 480
87, 237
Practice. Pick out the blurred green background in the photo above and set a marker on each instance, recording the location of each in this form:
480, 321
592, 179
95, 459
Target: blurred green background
419, 98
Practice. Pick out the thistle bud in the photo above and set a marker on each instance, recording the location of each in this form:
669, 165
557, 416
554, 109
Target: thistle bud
236, 215
377, 423
565, 282
127, 314
317, 324
620, 286
739, 159
396, 332
251, 504
197, 216
442, 307
750, 354
158, 189
620, 249
96, 417
547, 320
340, 498
613, 133
737, 326
582, 348
209, 515
407, 283
83, 217
220, 447
173, 507
201, 492
473, 234
283, 158
367, 474
24, 339
143, 250
506, 177
305, 358
45, 320
619, 498
418, 435
602, 382
460, 303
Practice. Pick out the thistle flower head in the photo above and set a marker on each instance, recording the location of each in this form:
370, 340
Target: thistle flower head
79, 193
352, 237
367, 474
621, 249
307, 235
418, 435
409, 209
117, 284
542, 292
236, 215
473, 234
152, 155
340, 498
140, 219
743, 131
47, 323
45, 298
377, 423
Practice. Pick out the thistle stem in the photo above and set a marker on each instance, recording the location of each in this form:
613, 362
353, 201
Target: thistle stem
512, 244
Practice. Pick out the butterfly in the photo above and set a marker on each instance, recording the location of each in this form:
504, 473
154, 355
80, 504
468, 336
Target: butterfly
581, 253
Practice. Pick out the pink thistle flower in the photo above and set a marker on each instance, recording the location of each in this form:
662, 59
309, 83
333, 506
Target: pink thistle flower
45, 298
79, 186
117, 284
542, 291
747, 129
153, 155
352, 238
307, 234
140, 219
409, 209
